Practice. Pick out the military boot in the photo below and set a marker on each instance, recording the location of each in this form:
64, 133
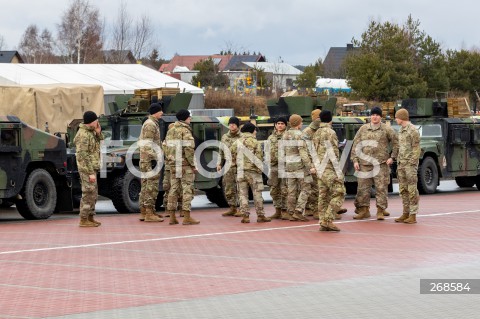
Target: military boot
384, 212
84, 222
338, 216
342, 211
328, 226
150, 215
246, 218
173, 218
402, 218
363, 212
142, 213
308, 212
262, 219
412, 219
380, 213
92, 219
316, 215
230, 212
238, 213
285, 215
187, 220
278, 213
298, 217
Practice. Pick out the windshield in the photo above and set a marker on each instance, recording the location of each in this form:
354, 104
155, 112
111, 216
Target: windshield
427, 130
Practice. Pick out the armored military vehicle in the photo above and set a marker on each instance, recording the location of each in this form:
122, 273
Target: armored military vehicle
33, 170
450, 142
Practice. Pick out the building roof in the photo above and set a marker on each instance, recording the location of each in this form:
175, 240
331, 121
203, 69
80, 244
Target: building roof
8, 56
274, 68
189, 61
115, 78
236, 62
333, 63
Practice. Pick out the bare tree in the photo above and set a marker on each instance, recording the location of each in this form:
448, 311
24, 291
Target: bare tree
142, 37
2, 42
29, 44
121, 34
79, 33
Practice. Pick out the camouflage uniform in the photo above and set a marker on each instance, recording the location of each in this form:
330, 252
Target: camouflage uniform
181, 186
252, 175
229, 180
298, 188
166, 183
385, 136
149, 134
278, 186
331, 188
307, 136
87, 144
407, 166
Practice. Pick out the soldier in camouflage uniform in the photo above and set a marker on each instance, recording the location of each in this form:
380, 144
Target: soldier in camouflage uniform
181, 150
299, 169
330, 182
229, 180
149, 142
87, 143
278, 186
407, 166
166, 173
249, 175
311, 209
370, 159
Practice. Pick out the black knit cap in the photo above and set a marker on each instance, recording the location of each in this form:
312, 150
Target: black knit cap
182, 115
281, 119
155, 108
325, 116
376, 110
89, 117
248, 128
234, 120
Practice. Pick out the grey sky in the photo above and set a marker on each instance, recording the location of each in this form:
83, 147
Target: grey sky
299, 31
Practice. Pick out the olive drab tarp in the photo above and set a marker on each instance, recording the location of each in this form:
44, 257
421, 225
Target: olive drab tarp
55, 104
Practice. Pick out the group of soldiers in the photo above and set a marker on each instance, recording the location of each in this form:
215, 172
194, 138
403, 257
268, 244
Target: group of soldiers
304, 175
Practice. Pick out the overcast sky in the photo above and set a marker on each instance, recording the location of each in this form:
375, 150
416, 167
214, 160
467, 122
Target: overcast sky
297, 31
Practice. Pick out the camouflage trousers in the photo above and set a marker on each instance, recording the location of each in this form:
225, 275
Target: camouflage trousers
298, 190
278, 189
89, 196
381, 181
229, 183
407, 184
181, 187
312, 202
254, 181
149, 190
166, 187
331, 195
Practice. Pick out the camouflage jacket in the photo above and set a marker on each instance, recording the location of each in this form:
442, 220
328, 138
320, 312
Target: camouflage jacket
307, 135
179, 134
149, 134
296, 156
251, 144
87, 144
273, 144
322, 135
408, 145
228, 139
387, 144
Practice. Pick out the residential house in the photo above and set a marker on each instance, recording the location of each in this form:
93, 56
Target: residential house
333, 64
10, 57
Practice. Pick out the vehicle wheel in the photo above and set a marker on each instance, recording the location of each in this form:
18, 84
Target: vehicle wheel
465, 181
40, 196
6, 203
216, 196
351, 188
126, 192
159, 201
427, 176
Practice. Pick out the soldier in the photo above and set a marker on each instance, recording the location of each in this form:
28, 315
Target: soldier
87, 143
248, 173
149, 142
299, 169
278, 186
166, 173
330, 182
372, 162
407, 166
181, 146
229, 180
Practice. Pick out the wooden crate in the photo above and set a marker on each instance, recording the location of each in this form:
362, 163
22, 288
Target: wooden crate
161, 92
458, 107
388, 109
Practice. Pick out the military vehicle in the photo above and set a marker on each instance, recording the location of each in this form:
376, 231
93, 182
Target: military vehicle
450, 142
33, 170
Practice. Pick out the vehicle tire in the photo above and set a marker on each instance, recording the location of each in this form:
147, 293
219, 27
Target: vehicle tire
427, 176
159, 201
351, 188
40, 196
465, 181
126, 193
217, 196
6, 203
